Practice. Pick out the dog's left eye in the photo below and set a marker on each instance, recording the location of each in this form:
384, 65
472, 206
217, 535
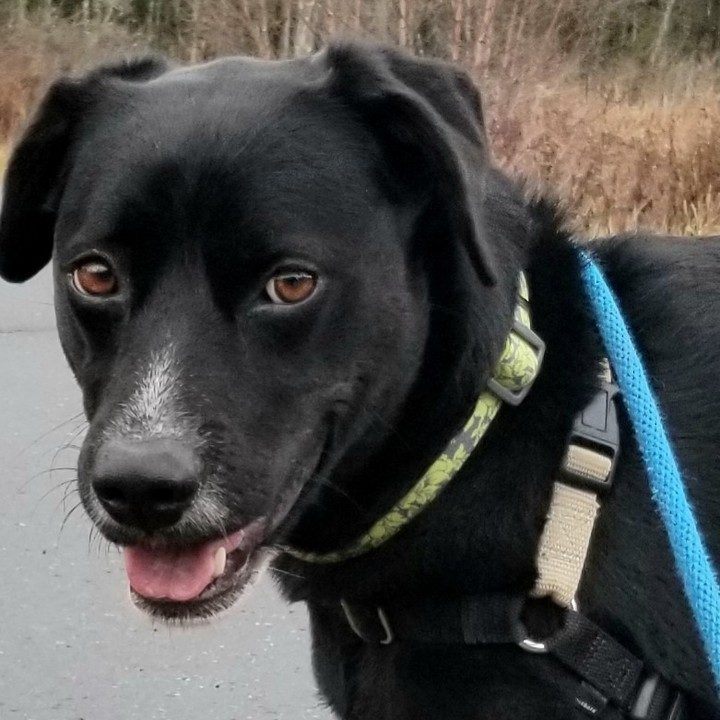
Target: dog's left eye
290, 288
95, 278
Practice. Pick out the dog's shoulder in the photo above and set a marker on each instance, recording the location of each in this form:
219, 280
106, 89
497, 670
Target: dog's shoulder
665, 284
669, 291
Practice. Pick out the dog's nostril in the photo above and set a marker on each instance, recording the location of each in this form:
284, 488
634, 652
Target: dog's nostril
146, 484
176, 493
149, 492
109, 493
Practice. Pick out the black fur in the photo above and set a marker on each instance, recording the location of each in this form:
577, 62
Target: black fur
370, 168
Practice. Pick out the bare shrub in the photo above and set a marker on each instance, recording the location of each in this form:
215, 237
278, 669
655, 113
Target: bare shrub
603, 104
36, 51
621, 157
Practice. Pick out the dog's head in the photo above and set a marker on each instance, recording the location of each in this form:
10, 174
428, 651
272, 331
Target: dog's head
243, 262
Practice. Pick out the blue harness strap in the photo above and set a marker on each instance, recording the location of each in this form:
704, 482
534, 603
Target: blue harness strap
693, 562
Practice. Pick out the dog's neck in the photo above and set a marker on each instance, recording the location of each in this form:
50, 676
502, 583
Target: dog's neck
494, 477
510, 382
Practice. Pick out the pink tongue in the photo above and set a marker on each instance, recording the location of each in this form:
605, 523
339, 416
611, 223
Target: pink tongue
175, 574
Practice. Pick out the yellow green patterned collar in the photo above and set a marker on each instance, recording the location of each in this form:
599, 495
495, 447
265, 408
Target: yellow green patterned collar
514, 374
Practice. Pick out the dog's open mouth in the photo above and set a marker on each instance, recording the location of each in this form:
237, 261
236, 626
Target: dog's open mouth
183, 582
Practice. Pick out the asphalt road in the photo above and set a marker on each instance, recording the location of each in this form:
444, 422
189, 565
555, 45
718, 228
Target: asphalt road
71, 645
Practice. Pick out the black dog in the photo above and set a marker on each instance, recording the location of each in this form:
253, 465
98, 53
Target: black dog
282, 287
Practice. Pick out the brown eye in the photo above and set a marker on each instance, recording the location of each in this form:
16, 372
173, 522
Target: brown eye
94, 278
290, 288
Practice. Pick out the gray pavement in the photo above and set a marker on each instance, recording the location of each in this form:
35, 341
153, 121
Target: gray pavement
71, 645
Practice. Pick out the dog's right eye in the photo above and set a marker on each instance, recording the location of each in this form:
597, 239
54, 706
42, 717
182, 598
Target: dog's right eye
291, 288
94, 278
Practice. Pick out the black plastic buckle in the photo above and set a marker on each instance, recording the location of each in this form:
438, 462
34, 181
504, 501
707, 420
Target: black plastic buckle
590, 700
656, 699
596, 428
515, 397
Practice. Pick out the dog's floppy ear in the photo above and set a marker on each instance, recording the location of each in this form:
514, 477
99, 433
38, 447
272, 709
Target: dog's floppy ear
39, 164
428, 118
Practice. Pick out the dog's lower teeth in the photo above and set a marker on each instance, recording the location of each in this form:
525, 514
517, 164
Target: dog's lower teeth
220, 560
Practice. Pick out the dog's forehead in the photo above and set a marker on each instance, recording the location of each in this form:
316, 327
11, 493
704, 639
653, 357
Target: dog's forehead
231, 93
223, 108
244, 72
232, 140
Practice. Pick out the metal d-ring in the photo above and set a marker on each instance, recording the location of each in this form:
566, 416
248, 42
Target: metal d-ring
382, 617
389, 635
532, 646
535, 646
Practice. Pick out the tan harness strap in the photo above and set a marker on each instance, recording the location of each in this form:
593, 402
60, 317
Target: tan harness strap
565, 541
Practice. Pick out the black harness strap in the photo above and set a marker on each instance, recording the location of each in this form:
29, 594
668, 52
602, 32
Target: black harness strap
597, 658
482, 620
608, 674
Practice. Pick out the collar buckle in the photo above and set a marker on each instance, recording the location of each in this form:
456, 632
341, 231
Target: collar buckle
515, 396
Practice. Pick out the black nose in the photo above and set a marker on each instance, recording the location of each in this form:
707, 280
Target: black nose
147, 484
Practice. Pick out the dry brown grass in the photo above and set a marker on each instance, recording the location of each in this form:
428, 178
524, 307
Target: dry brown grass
623, 152
619, 165
32, 54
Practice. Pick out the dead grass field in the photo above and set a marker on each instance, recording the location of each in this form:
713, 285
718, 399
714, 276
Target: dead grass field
623, 152
653, 163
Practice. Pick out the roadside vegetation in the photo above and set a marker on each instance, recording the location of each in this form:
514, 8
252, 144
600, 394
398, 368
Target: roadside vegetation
613, 106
